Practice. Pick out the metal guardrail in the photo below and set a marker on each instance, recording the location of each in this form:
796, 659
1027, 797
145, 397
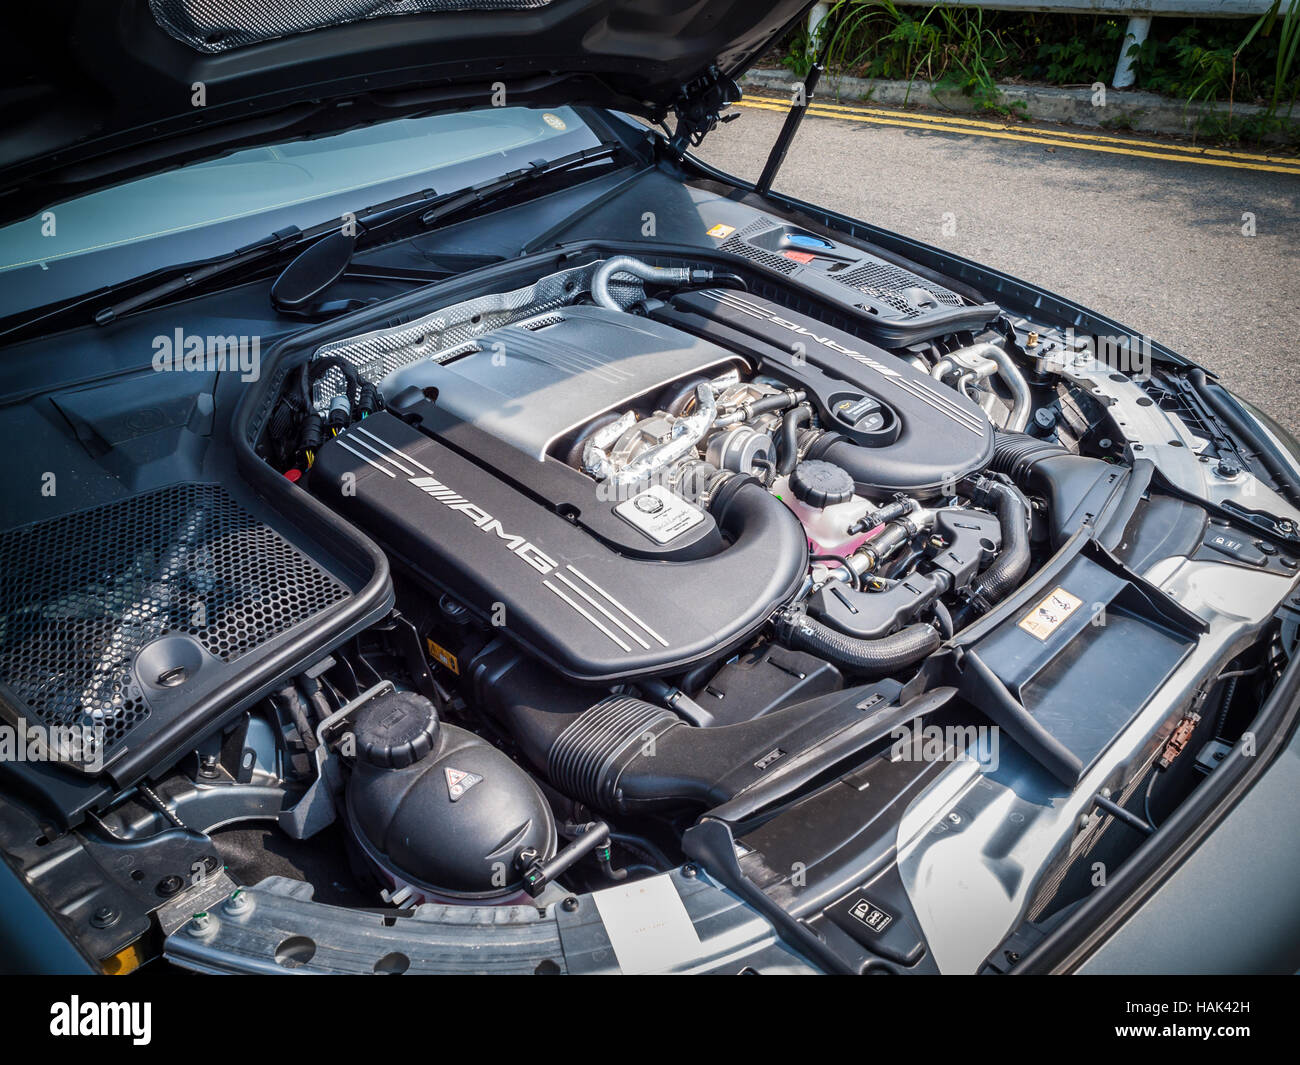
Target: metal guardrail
1139, 12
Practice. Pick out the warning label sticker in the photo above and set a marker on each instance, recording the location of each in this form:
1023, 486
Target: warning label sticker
441, 654
871, 915
1050, 613
659, 514
720, 231
460, 781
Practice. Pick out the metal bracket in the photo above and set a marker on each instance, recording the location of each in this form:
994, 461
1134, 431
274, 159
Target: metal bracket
699, 108
316, 809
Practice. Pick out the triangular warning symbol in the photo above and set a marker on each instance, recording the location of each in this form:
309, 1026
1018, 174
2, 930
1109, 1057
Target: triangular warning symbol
460, 781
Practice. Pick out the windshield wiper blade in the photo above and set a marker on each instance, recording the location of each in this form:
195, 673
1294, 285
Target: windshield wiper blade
428, 206
195, 273
190, 275
324, 261
478, 194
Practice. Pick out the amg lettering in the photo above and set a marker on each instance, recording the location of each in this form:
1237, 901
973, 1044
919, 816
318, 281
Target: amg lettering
826, 342
530, 554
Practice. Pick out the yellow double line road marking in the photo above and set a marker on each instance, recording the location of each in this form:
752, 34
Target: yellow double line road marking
1093, 142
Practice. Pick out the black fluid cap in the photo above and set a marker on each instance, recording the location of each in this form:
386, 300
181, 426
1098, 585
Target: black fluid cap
821, 484
396, 730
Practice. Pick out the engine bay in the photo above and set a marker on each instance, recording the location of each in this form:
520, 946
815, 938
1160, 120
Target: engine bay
662, 511
624, 564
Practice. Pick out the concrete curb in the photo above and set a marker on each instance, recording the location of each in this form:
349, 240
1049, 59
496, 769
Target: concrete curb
1124, 110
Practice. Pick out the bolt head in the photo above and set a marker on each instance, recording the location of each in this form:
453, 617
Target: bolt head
169, 885
202, 924
103, 917
238, 903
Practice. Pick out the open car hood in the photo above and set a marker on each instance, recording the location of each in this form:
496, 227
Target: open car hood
99, 91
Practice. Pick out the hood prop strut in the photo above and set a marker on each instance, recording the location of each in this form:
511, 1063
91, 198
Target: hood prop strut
803, 95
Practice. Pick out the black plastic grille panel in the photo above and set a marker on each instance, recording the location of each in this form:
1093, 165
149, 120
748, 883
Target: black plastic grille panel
83, 593
739, 244
882, 282
888, 282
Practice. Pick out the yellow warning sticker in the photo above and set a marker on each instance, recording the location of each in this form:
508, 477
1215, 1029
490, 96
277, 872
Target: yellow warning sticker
441, 654
1050, 614
720, 231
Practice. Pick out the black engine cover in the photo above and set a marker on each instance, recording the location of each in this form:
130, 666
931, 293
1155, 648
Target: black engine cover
547, 583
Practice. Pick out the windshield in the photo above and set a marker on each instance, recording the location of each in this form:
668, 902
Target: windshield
211, 208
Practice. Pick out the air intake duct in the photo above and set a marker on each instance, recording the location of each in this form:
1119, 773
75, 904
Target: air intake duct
624, 754
1077, 488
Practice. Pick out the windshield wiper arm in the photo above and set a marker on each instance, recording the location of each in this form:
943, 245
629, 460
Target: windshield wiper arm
427, 206
195, 273
326, 260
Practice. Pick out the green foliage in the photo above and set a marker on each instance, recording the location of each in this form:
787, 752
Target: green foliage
1082, 58
957, 49
1285, 76
970, 51
799, 59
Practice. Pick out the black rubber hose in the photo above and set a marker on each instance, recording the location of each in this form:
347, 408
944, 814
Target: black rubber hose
944, 618
872, 658
720, 279
644, 849
1012, 563
1015, 453
788, 442
767, 403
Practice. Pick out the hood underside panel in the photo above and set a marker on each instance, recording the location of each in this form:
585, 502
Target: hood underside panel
114, 90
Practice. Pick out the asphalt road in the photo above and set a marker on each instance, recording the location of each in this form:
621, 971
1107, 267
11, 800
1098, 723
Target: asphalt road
1157, 244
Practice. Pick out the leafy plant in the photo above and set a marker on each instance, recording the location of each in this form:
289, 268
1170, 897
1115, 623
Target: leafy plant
1287, 42
970, 51
801, 55
952, 47
1083, 57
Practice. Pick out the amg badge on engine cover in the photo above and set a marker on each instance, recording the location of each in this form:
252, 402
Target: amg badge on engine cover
659, 514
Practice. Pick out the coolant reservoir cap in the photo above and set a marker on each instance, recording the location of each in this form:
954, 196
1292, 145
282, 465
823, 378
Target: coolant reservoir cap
395, 730
821, 484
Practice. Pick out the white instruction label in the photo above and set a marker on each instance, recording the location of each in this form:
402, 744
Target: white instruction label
1050, 614
659, 514
648, 925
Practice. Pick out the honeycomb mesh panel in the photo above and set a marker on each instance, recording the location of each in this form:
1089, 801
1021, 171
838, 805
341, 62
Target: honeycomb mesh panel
445, 333
83, 593
888, 282
215, 26
738, 244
